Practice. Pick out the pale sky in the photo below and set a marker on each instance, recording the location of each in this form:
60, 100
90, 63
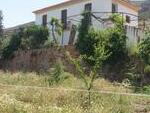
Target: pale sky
17, 12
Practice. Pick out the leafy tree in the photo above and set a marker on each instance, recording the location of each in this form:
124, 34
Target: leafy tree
13, 45
32, 37
100, 55
117, 39
56, 29
118, 21
84, 42
116, 44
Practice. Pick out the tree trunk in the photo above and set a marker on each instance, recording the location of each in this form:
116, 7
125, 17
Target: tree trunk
53, 34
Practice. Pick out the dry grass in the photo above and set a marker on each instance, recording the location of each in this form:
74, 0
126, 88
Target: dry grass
42, 100
32, 79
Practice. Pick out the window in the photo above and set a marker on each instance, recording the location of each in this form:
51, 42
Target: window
114, 8
128, 20
64, 18
88, 8
44, 20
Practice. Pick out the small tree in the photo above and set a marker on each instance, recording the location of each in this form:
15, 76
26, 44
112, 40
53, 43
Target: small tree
57, 74
100, 55
56, 29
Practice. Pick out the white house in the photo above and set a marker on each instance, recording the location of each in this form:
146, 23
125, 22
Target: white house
69, 13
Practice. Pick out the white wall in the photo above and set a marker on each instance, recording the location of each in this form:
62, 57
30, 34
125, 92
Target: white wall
133, 14
97, 6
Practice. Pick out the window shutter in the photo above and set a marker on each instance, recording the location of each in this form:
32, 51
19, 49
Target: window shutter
44, 20
64, 18
114, 8
128, 19
88, 9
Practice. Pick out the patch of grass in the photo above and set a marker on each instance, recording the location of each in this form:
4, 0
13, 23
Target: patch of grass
33, 79
31, 100
16, 99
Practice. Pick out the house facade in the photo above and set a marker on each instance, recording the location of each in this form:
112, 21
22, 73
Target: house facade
69, 13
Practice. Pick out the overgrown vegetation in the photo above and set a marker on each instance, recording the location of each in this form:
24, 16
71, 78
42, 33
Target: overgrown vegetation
32, 37
57, 75
103, 54
144, 48
100, 55
122, 64
114, 39
114, 43
55, 99
85, 42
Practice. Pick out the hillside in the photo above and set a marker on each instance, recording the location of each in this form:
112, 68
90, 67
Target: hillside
9, 31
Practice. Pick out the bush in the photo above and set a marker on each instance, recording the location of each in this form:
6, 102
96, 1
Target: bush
14, 44
114, 40
37, 36
32, 37
144, 48
147, 69
146, 90
116, 44
58, 74
48, 43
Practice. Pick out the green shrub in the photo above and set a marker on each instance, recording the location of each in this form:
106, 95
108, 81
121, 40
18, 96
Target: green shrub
86, 38
144, 48
37, 36
14, 44
146, 89
47, 43
32, 37
116, 44
57, 74
147, 69
114, 40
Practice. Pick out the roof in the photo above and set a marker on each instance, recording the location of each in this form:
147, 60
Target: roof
127, 3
